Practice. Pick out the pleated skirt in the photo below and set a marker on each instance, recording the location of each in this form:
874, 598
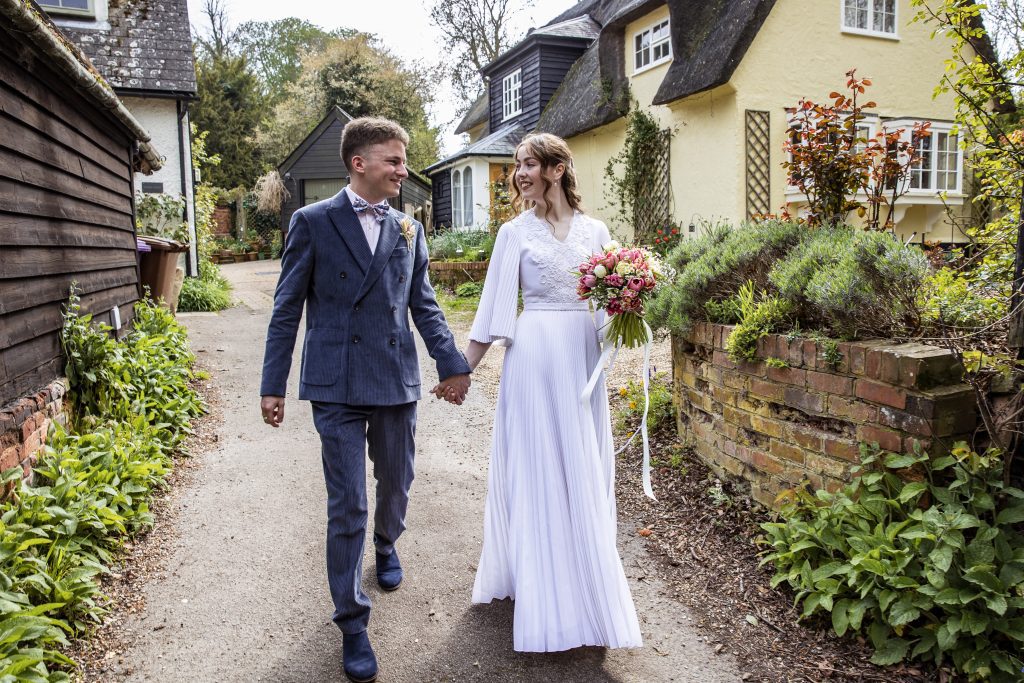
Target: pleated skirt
549, 521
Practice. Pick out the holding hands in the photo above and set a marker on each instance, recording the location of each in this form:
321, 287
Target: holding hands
452, 389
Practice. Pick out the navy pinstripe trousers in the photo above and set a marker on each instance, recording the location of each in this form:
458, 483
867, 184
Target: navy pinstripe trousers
347, 434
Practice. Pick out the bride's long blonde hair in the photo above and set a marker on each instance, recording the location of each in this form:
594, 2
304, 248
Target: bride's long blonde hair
550, 150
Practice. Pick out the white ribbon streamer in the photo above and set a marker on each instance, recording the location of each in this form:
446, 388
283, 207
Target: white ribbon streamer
608, 355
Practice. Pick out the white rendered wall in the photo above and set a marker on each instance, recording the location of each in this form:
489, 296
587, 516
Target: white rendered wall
160, 118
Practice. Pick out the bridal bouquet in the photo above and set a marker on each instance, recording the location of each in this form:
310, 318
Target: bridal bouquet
621, 280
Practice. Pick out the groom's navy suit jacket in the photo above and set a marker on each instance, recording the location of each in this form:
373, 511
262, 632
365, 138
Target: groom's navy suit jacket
358, 349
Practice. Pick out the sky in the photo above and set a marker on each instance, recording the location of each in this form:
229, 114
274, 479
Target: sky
403, 26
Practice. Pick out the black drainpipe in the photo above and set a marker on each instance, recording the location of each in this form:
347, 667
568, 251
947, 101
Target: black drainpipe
181, 111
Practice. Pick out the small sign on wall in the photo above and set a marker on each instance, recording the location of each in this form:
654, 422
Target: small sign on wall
153, 188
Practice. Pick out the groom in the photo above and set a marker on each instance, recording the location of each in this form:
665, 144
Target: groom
360, 269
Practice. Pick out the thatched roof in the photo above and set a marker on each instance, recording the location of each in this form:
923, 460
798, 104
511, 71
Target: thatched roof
709, 38
479, 112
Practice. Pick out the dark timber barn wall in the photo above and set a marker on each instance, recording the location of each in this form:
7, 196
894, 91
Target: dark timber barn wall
66, 207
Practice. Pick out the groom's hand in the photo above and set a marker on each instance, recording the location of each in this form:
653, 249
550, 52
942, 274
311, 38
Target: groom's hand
272, 408
453, 389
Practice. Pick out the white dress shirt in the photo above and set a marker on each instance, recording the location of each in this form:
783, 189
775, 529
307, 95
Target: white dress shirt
369, 221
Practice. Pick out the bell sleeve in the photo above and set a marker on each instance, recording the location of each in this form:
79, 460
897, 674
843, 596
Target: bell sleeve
495, 320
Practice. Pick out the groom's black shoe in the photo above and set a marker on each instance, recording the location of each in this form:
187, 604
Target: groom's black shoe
389, 571
358, 660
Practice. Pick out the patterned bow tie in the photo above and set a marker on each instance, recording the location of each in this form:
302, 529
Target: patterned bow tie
381, 208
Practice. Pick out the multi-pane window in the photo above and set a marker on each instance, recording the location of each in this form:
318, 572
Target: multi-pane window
511, 94
651, 46
871, 16
68, 6
937, 166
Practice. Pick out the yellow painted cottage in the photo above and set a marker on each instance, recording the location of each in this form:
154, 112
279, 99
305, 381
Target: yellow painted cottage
722, 75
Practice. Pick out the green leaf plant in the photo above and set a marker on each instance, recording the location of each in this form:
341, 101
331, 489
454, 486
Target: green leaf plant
923, 556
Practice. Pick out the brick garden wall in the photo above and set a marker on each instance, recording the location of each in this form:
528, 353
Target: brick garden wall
25, 423
775, 426
453, 273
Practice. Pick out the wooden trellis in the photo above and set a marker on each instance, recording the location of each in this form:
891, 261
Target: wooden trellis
758, 162
652, 205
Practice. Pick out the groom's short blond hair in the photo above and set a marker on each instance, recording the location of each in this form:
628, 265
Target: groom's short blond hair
368, 130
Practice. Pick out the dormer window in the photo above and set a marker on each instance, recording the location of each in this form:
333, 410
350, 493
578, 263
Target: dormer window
511, 95
651, 47
870, 17
71, 8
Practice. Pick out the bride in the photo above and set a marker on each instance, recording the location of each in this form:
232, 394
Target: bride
549, 524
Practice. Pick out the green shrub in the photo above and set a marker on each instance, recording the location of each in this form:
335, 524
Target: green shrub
444, 246
199, 295
930, 569
951, 299
845, 281
758, 316
469, 290
133, 404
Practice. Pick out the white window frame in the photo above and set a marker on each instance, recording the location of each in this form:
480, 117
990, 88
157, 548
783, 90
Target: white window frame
467, 197
940, 130
871, 11
648, 50
512, 95
456, 198
88, 13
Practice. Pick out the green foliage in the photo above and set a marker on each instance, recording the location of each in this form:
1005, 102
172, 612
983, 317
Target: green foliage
275, 49
625, 191
58, 537
362, 76
230, 107
469, 290
161, 215
773, 362
147, 373
759, 315
660, 414
956, 300
848, 282
713, 266
929, 567
995, 140
199, 295
445, 246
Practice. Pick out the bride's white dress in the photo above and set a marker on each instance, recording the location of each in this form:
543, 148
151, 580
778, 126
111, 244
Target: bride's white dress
549, 524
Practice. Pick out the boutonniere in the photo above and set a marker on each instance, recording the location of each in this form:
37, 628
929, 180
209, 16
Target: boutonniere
408, 231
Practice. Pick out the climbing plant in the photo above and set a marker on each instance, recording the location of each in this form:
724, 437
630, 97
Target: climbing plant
637, 177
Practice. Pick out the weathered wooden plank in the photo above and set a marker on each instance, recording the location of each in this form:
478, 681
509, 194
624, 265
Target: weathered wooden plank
28, 383
27, 356
31, 172
37, 321
34, 201
16, 295
33, 231
48, 90
103, 162
21, 262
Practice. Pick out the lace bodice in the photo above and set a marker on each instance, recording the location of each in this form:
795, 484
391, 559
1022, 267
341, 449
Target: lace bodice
527, 257
546, 265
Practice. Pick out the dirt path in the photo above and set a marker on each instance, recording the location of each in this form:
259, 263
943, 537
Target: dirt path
243, 594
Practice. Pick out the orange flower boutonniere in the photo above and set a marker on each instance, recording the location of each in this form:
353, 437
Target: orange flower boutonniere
408, 231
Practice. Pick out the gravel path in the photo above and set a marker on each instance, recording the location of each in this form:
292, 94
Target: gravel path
242, 591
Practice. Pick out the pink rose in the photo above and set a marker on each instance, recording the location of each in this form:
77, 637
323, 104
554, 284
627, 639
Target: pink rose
614, 280
589, 280
636, 284
610, 262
